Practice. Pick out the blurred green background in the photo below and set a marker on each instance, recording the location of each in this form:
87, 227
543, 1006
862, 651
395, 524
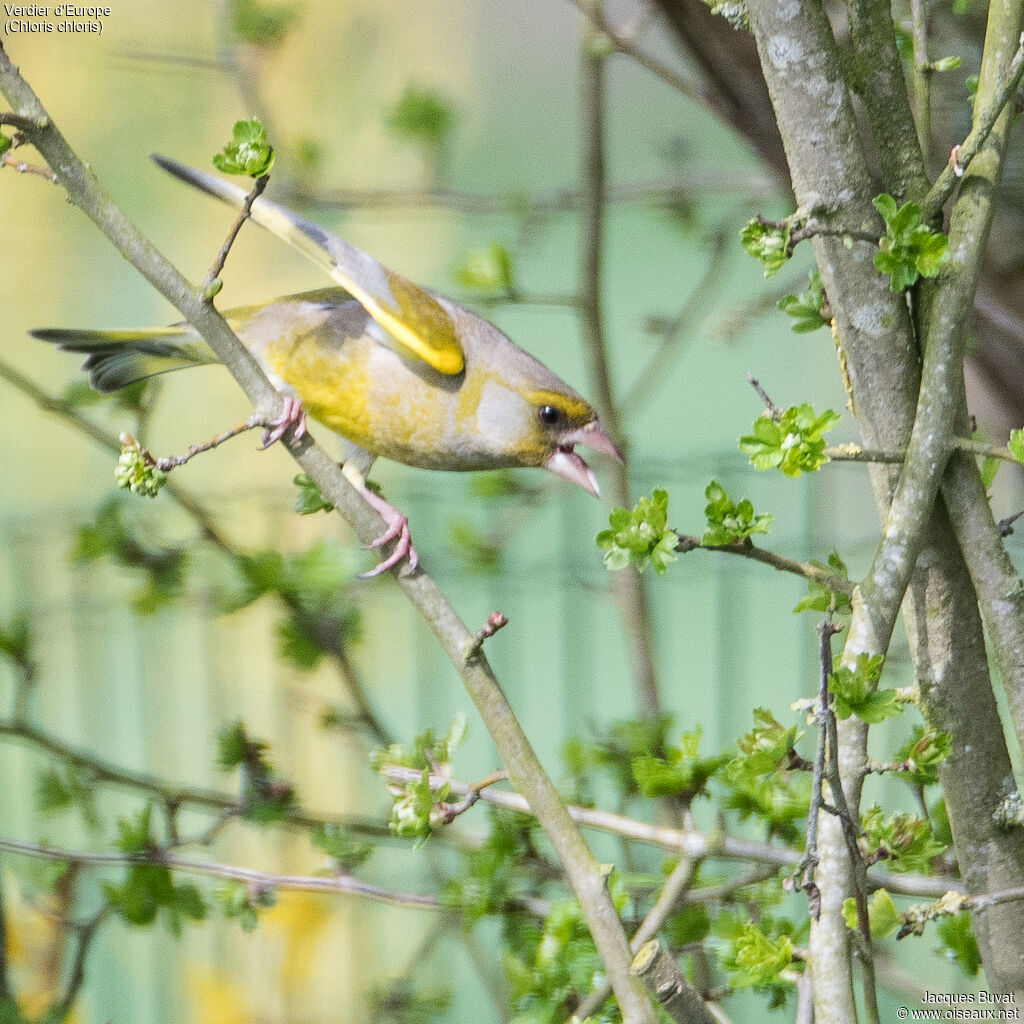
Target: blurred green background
149, 691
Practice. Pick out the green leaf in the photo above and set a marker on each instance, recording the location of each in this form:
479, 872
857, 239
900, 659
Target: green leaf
923, 753
767, 243
856, 691
134, 835
819, 598
16, 639
421, 116
728, 522
243, 903
263, 24
486, 269
883, 917
5, 143
248, 152
959, 943
309, 499
767, 744
947, 64
909, 249
1016, 444
640, 536
347, 852
808, 309
989, 468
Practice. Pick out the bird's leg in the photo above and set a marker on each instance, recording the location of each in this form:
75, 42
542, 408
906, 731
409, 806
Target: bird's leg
292, 415
355, 467
397, 530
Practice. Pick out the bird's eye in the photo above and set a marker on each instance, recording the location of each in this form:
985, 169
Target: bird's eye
549, 415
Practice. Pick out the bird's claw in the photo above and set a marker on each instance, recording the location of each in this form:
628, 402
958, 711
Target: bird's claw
292, 415
398, 531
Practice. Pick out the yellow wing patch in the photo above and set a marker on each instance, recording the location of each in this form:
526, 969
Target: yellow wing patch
407, 312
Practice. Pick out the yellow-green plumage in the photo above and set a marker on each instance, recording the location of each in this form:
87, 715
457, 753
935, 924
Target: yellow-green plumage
398, 371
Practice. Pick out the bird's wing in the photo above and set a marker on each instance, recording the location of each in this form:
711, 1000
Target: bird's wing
412, 316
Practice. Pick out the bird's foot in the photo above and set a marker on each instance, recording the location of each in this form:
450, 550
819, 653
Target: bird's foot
292, 415
397, 530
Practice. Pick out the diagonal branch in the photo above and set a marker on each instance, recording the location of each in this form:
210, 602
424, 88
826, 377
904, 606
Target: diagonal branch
524, 768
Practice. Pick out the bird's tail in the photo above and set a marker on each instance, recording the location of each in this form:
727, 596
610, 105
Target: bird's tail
119, 358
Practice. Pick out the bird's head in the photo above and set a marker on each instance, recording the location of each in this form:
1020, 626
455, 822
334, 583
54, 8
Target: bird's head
541, 426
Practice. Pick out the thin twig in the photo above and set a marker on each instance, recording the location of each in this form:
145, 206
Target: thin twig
686, 842
103, 772
343, 884
5, 981
773, 409
922, 77
629, 588
623, 43
826, 630
23, 167
984, 121
168, 462
84, 934
213, 274
746, 549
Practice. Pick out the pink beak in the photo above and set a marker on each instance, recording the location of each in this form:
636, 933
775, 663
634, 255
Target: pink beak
566, 463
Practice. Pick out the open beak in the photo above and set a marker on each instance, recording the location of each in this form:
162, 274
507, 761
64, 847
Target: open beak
566, 463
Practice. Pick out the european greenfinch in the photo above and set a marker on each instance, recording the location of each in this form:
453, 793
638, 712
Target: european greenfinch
396, 370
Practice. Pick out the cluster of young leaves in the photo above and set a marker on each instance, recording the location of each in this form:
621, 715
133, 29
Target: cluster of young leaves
759, 783
793, 441
640, 536
135, 472
148, 889
855, 691
315, 586
249, 152
110, 535
415, 811
552, 966
909, 250
502, 870
758, 955
819, 598
922, 754
680, 772
612, 752
904, 841
728, 522
809, 309
768, 243
264, 796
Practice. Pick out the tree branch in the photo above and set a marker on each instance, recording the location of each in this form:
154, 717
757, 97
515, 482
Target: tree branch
584, 872
628, 587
